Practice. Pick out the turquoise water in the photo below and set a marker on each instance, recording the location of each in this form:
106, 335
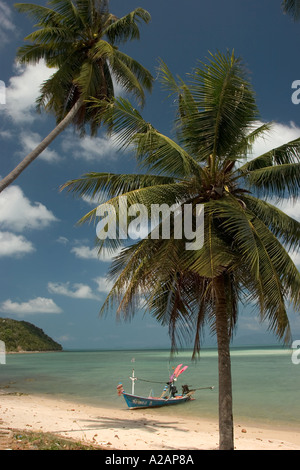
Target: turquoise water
266, 383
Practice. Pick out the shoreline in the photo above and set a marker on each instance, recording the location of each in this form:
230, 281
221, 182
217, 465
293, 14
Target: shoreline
134, 429
35, 352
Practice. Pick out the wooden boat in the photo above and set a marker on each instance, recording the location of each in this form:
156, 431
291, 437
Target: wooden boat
135, 401
168, 397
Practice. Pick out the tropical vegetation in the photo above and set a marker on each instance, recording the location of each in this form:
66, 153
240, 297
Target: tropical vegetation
24, 336
80, 39
245, 259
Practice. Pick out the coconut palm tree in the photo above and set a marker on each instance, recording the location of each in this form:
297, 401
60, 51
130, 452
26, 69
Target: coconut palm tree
80, 39
292, 7
245, 256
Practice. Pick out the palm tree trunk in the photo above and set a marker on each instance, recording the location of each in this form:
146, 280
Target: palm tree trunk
12, 176
225, 385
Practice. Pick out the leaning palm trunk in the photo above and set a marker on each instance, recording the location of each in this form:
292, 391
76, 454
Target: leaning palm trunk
226, 440
13, 175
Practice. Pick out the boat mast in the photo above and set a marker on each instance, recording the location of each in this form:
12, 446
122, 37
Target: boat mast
133, 379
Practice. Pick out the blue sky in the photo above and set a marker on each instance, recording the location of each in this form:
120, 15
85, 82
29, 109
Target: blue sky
49, 273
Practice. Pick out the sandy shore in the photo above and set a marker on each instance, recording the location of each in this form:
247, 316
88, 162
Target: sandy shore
132, 430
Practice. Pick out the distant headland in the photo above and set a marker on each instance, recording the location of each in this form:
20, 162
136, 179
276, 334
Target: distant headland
22, 336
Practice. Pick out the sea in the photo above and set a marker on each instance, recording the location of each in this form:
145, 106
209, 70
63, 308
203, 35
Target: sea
266, 381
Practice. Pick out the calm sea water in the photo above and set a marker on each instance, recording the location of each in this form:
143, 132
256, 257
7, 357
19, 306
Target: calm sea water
266, 384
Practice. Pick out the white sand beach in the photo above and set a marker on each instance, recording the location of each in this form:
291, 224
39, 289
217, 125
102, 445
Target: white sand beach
133, 429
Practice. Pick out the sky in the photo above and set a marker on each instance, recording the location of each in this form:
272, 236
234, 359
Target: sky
49, 272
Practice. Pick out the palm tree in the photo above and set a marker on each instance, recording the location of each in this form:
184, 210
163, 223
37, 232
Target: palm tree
292, 7
247, 239
80, 40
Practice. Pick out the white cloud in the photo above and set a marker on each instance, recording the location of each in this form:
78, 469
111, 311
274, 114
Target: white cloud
85, 252
23, 89
62, 240
17, 212
37, 305
296, 258
14, 245
103, 284
7, 26
278, 135
78, 291
30, 140
6, 134
289, 207
89, 148
118, 89
65, 338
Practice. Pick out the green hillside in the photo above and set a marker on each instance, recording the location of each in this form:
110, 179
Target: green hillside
24, 336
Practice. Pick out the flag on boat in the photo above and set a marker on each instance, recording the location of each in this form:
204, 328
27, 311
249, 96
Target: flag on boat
177, 372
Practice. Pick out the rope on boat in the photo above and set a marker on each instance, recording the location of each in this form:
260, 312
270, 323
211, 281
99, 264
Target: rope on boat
194, 389
151, 381
204, 388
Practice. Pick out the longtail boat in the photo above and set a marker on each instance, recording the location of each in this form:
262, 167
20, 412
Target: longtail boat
168, 397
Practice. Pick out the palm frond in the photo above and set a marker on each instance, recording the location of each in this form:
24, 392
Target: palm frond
126, 28
121, 119
236, 224
285, 228
88, 79
285, 154
68, 10
167, 79
280, 280
144, 77
161, 154
32, 54
51, 35
244, 144
58, 93
280, 180
292, 7
225, 102
215, 256
127, 79
102, 50
39, 13
100, 186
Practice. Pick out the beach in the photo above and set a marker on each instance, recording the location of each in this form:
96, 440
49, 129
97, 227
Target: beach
133, 429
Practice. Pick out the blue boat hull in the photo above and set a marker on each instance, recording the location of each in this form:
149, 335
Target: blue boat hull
134, 401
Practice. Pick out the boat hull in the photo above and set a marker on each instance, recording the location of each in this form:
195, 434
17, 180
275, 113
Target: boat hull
135, 401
